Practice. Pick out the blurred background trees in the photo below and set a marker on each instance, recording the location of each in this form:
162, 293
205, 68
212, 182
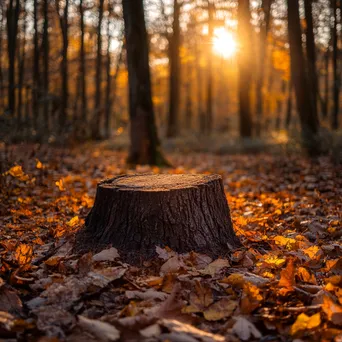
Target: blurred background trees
218, 67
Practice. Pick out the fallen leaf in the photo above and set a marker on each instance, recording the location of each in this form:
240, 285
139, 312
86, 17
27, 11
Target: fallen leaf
101, 330
332, 310
287, 278
172, 265
215, 267
23, 254
222, 309
109, 254
244, 329
304, 322
200, 299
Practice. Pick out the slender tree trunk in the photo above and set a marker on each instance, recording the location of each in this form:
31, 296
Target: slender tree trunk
336, 74
326, 84
145, 145
188, 103
174, 86
209, 119
63, 20
200, 113
36, 78
309, 123
12, 30
110, 100
289, 105
2, 20
244, 62
264, 28
98, 81
21, 66
311, 55
46, 63
84, 105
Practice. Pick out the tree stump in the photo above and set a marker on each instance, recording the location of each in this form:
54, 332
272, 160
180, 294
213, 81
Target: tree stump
136, 213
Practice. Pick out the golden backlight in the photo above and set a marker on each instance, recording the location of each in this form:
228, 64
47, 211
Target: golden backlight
224, 43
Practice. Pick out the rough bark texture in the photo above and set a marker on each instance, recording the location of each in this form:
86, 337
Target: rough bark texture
308, 120
136, 213
145, 145
244, 63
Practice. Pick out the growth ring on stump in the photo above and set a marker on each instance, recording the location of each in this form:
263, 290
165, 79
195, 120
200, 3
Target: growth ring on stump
136, 213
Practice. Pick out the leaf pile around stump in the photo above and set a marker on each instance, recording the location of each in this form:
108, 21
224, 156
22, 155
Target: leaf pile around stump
284, 284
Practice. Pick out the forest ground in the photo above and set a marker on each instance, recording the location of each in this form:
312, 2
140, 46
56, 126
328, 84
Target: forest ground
285, 284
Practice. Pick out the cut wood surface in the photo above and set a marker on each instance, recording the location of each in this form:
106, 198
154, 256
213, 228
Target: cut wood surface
136, 213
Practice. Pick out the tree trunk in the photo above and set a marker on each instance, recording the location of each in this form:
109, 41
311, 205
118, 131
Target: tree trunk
110, 100
289, 105
209, 116
98, 110
63, 20
83, 67
309, 123
264, 28
12, 30
2, 20
325, 108
311, 55
46, 64
244, 62
336, 81
21, 66
36, 81
174, 77
145, 145
136, 213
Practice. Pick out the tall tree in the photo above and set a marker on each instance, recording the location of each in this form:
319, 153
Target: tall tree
98, 82
244, 65
264, 29
174, 62
336, 74
21, 66
209, 118
2, 21
13, 11
46, 62
145, 145
36, 78
311, 55
309, 122
84, 105
64, 25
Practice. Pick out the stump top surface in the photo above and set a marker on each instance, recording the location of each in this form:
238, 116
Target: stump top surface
158, 182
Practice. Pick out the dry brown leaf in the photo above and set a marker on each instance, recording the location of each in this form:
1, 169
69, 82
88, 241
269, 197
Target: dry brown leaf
109, 254
287, 278
222, 309
103, 331
332, 310
244, 329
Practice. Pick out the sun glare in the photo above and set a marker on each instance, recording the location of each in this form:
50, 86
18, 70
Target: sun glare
224, 43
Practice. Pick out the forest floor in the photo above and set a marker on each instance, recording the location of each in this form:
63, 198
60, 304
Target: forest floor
285, 284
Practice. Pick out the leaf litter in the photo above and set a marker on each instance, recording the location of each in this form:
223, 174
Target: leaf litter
285, 284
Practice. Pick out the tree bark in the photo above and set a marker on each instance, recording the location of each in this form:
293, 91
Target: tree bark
136, 213
336, 74
21, 67
264, 28
209, 116
84, 105
309, 123
12, 30
2, 20
36, 80
98, 82
174, 77
289, 105
311, 55
46, 64
244, 62
63, 20
325, 108
145, 145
